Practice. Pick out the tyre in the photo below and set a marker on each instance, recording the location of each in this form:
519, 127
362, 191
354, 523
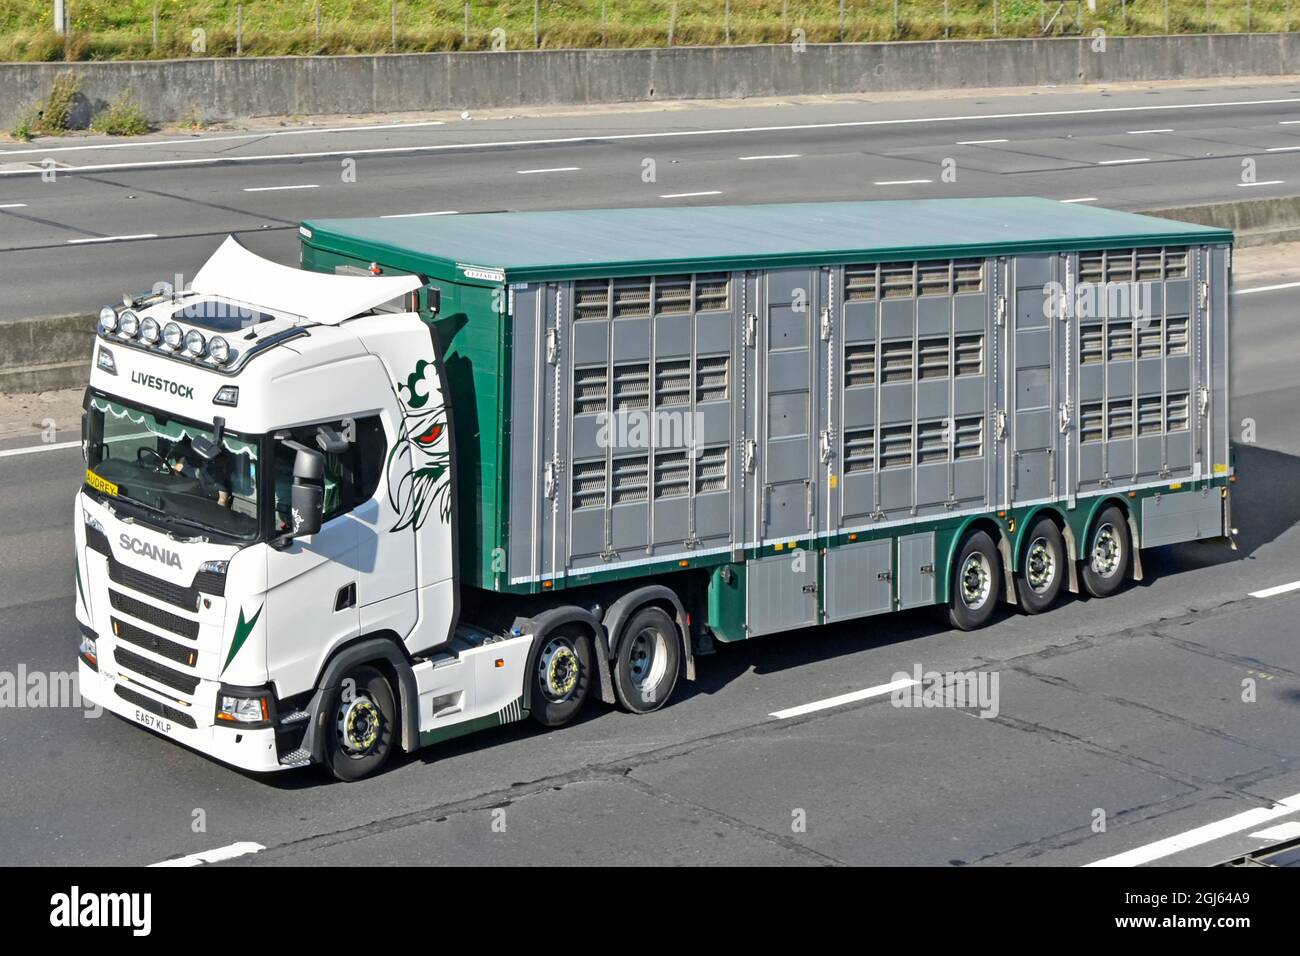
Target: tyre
976, 583
1106, 559
1043, 568
648, 661
360, 735
561, 676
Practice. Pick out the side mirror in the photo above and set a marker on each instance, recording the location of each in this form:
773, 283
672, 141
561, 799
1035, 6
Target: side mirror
307, 499
85, 435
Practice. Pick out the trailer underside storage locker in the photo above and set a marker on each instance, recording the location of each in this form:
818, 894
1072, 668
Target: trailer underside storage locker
812, 402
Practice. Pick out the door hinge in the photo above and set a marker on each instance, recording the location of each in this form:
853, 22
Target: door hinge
1000, 428
926, 569
548, 484
1203, 398
825, 445
751, 329
552, 346
1067, 410
1203, 293
751, 448
810, 589
885, 576
826, 325
1001, 312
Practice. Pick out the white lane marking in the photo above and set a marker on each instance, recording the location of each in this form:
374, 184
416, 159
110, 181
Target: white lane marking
142, 235
902, 182
844, 699
707, 192
1279, 589
773, 156
214, 856
1281, 149
614, 137
1139, 132
191, 140
1202, 835
1267, 288
554, 169
1283, 831
1264, 182
1287, 122
980, 142
1121, 162
33, 449
1081, 199
411, 215
271, 189
12, 205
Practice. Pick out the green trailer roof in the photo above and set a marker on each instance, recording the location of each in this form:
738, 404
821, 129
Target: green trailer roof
554, 245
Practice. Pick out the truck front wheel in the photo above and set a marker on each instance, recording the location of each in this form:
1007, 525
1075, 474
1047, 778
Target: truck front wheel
561, 676
648, 661
359, 737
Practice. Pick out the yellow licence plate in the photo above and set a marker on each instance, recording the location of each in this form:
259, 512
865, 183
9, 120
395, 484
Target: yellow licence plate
100, 484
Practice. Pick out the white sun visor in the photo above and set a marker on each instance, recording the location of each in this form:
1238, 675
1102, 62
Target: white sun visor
235, 273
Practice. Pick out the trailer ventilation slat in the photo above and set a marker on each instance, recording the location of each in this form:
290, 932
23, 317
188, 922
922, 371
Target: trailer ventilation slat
631, 479
711, 470
1119, 419
672, 295
860, 283
933, 357
859, 365
1149, 336
935, 278
1150, 265
672, 475
1090, 422
1176, 413
631, 386
969, 354
859, 451
932, 442
1150, 415
1090, 344
590, 390
712, 378
896, 361
591, 299
1176, 335
968, 441
711, 291
1119, 341
672, 383
1091, 266
898, 280
588, 485
632, 297
1176, 263
967, 276
896, 446
1119, 265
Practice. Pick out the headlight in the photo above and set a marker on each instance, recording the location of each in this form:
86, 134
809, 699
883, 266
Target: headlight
149, 331
108, 318
238, 709
88, 649
128, 323
194, 342
219, 350
213, 567
172, 335
92, 522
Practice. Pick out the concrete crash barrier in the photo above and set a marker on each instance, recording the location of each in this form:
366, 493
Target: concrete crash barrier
231, 88
1255, 222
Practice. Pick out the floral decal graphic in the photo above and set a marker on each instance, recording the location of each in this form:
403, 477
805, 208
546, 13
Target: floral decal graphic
418, 466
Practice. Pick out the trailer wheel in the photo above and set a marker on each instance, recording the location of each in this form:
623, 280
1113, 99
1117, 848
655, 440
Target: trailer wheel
648, 661
561, 676
1040, 573
976, 583
1106, 561
363, 714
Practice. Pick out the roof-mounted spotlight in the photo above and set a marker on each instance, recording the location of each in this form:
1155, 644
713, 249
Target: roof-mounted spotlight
172, 336
128, 324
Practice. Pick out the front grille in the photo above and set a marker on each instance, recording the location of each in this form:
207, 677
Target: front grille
153, 615
154, 707
130, 634
182, 597
155, 671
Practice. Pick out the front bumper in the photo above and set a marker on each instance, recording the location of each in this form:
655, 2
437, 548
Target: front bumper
247, 749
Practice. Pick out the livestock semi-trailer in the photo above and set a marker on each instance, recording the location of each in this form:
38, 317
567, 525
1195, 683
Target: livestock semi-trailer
456, 471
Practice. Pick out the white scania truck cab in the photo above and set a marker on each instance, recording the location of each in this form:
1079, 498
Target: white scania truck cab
265, 556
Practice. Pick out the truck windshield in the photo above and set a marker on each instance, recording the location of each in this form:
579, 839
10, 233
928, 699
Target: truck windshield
153, 460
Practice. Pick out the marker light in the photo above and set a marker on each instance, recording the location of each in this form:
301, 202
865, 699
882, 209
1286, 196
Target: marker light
128, 324
108, 318
89, 650
149, 331
104, 359
219, 350
172, 335
194, 342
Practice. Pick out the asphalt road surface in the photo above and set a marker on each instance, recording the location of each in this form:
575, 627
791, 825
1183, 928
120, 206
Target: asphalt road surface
1120, 735
120, 216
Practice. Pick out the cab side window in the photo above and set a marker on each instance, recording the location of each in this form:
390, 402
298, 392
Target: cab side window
351, 477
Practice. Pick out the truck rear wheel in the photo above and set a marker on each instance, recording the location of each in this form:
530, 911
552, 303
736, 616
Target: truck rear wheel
648, 660
561, 675
976, 583
1040, 574
363, 714
1105, 562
